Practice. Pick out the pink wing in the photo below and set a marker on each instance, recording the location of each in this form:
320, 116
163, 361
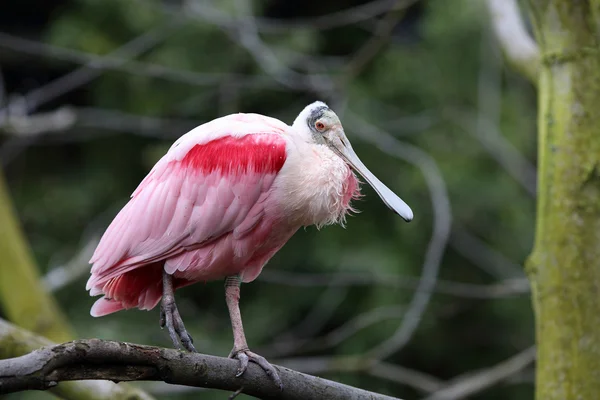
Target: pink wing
207, 185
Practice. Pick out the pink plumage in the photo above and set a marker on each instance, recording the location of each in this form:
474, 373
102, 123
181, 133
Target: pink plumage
212, 207
222, 201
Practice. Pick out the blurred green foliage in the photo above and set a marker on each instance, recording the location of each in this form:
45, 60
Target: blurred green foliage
423, 87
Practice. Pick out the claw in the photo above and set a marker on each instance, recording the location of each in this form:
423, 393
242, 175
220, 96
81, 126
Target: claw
162, 320
243, 356
170, 317
243, 359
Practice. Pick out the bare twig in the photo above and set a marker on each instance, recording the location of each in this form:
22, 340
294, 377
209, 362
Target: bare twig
3, 93
303, 332
504, 152
485, 257
245, 33
382, 32
337, 19
72, 80
62, 120
117, 361
75, 268
393, 373
518, 46
92, 70
489, 82
44, 122
441, 230
115, 62
504, 288
115, 120
236, 393
475, 382
288, 346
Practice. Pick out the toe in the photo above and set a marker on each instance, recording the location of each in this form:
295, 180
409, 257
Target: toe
162, 320
171, 329
188, 344
243, 359
184, 336
267, 367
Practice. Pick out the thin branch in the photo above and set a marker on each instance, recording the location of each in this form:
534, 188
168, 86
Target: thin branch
475, 382
68, 118
92, 70
117, 361
245, 33
383, 370
355, 15
336, 19
321, 313
518, 46
484, 256
75, 79
3, 93
75, 268
297, 343
503, 151
489, 81
489, 98
441, 230
383, 30
395, 373
44, 122
114, 62
502, 289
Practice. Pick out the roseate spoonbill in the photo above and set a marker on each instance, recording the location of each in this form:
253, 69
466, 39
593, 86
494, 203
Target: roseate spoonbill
222, 201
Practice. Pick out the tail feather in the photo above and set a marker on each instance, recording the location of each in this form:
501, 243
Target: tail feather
104, 306
141, 288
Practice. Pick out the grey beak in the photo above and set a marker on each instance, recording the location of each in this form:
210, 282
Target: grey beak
395, 203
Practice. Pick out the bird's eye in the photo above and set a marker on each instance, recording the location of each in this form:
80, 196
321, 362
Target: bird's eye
320, 126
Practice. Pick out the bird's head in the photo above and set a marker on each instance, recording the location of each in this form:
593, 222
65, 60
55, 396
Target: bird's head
323, 126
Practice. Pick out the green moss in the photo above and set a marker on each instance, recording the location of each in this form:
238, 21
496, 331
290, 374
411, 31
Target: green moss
565, 265
22, 296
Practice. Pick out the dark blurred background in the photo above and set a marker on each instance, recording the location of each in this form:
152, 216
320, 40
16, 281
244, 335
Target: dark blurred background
424, 96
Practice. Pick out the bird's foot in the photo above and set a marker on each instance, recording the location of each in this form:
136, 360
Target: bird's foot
169, 317
245, 355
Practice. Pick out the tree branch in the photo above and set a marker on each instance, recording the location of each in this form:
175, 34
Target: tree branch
474, 382
382, 32
117, 361
15, 341
518, 46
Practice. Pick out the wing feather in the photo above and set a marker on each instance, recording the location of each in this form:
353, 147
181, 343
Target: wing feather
191, 198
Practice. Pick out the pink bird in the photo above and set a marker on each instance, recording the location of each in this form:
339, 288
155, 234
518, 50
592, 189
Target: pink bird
222, 201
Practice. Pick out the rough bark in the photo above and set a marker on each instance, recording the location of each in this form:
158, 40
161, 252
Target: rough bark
15, 342
564, 267
99, 359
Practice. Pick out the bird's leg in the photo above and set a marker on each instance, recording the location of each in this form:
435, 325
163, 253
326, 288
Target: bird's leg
169, 316
240, 346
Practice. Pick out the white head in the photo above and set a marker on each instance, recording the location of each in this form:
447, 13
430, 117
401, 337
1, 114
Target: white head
319, 124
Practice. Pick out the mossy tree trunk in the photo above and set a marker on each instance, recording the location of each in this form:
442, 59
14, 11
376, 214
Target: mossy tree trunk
22, 295
564, 267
